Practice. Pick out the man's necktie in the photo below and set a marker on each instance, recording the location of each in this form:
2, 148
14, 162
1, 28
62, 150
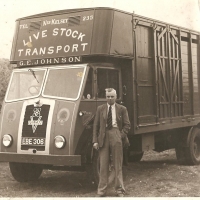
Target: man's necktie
109, 120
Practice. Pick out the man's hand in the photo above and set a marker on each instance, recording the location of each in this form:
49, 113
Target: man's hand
125, 142
123, 135
96, 146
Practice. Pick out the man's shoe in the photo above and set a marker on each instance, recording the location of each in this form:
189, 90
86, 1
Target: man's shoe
120, 195
101, 195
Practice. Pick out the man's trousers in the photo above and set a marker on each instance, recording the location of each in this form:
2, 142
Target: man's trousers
112, 146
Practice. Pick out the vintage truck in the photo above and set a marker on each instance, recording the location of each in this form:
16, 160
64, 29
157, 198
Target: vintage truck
65, 60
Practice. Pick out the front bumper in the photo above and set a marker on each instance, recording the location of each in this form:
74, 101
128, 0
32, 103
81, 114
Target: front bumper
73, 160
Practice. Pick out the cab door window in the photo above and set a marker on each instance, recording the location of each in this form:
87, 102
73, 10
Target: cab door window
107, 78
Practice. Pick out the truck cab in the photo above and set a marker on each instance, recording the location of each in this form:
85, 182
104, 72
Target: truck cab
48, 112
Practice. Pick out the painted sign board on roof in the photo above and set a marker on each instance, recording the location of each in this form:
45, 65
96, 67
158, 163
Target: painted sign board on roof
54, 36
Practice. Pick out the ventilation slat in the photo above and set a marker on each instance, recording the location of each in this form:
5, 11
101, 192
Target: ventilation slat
74, 21
35, 26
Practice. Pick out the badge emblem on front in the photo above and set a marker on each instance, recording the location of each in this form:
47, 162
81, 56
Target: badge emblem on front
35, 119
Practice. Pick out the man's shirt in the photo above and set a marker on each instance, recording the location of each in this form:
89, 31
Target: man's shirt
114, 120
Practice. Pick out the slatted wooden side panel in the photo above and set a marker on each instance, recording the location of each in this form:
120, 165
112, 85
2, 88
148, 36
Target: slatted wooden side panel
163, 73
195, 77
169, 73
175, 75
187, 93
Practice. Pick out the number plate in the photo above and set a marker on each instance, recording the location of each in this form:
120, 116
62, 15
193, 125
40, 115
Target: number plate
33, 141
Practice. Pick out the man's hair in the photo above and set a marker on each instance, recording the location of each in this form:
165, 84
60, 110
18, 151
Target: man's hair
111, 90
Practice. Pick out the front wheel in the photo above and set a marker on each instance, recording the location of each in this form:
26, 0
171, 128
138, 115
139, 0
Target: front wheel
24, 172
193, 151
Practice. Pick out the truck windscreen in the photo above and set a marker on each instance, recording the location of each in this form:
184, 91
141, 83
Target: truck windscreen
64, 83
61, 83
24, 84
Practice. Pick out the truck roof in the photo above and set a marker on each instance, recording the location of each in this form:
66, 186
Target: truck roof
81, 32
57, 12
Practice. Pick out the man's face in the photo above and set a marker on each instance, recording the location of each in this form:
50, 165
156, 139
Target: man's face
111, 97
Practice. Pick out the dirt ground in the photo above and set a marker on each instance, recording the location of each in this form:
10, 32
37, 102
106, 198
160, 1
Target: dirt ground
157, 175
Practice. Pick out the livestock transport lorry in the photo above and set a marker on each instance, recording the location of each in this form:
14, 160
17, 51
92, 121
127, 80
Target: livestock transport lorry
65, 60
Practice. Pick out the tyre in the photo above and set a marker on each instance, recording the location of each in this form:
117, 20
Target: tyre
96, 169
136, 157
193, 151
23, 172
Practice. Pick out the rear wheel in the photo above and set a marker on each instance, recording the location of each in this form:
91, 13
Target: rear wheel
23, 172
193, 151
188, 148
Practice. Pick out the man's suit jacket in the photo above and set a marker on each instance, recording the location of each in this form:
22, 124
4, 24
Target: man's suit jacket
100, 121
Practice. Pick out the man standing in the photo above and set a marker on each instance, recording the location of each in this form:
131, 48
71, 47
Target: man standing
111, 125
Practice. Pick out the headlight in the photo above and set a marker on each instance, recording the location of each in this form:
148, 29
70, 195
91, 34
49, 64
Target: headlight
7, 140
59, 141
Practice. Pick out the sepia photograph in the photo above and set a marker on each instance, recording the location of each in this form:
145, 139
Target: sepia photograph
99, 98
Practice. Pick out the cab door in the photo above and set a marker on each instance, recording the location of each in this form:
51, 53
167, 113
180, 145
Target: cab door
127, 90
107, 78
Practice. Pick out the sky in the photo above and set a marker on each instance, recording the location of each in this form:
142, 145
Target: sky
184, 13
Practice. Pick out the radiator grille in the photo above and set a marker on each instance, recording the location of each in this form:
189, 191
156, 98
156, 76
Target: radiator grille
35, 125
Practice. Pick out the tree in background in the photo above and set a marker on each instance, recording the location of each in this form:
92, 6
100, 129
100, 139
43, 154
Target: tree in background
5, 72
